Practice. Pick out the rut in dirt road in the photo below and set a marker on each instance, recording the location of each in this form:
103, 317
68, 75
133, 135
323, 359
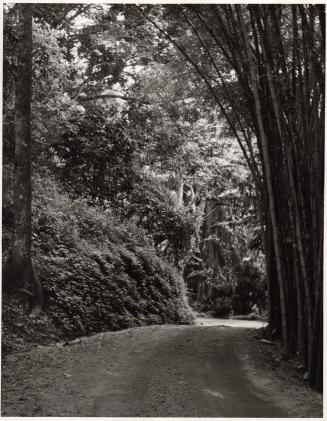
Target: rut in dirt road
158, 371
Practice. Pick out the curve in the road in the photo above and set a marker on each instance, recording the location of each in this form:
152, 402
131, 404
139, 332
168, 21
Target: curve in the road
157, 371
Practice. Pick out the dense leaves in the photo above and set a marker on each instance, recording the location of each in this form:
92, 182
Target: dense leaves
96, 275
94, 157
152, 208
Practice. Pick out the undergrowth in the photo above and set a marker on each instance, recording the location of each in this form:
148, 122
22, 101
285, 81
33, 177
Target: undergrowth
96, 273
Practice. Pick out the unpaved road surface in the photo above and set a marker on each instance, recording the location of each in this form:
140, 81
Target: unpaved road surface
157, 371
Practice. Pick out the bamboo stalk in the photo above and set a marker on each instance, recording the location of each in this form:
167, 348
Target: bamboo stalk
294, 198
271, 198
298, 232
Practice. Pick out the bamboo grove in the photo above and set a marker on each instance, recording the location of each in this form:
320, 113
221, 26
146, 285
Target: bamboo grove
264, 66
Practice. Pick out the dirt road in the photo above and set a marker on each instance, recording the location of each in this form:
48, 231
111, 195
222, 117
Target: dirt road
158, 371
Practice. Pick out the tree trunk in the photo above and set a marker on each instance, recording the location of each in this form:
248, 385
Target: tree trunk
19, 272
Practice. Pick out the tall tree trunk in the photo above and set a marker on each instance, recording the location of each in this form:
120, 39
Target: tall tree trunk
19, 271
